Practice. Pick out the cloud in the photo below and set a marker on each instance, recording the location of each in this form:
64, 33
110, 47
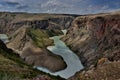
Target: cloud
9, 4
53, 6
21, 7
60, 6
12, 3
1, 6
13, 0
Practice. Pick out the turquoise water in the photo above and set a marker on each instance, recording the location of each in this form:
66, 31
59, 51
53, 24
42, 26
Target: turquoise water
73, 63
59, 48
4, 38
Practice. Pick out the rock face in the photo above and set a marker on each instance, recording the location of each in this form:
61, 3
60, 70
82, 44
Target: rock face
42, 24
10, 22
64, 22
106, 71
43, 58
93, 37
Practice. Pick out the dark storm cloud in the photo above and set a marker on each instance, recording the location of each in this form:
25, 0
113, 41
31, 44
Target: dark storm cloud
9, 4
12, 3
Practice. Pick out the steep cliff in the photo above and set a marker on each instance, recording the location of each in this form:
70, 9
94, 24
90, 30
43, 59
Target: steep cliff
10, 22
95, 37
105, 71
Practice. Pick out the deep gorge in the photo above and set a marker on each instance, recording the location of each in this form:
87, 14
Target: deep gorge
95, 39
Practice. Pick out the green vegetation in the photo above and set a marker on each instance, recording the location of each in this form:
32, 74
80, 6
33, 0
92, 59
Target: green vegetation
6, 76
10, 63
12, 67
40, 37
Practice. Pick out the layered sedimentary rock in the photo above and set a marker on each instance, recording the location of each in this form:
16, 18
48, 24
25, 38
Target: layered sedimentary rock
64, 22
93, 38
10, 22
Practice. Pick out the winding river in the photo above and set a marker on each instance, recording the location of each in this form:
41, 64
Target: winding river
73, 63
71, 59
59, 48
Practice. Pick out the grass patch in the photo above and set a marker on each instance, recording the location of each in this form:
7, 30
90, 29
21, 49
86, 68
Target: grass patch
40, 37
12, 67
7, 76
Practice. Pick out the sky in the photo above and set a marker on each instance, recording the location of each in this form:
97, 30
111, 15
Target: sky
60, 6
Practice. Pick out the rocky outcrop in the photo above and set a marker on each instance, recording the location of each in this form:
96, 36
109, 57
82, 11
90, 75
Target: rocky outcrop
105, 71
43, 58
93, 37
25, 46
58, 23
64, 22
41, 24
10, 22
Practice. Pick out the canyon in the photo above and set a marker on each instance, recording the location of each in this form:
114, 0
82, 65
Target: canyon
94, 38
22, 30
71, 59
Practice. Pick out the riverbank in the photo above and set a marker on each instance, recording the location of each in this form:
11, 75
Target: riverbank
73, 63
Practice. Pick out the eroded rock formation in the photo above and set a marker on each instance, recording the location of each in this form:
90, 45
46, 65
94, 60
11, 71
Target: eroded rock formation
10, 22
95, 38
16, 25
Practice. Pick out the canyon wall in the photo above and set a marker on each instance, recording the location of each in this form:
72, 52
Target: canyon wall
96, 40
29, 36
95, 36
10, 22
